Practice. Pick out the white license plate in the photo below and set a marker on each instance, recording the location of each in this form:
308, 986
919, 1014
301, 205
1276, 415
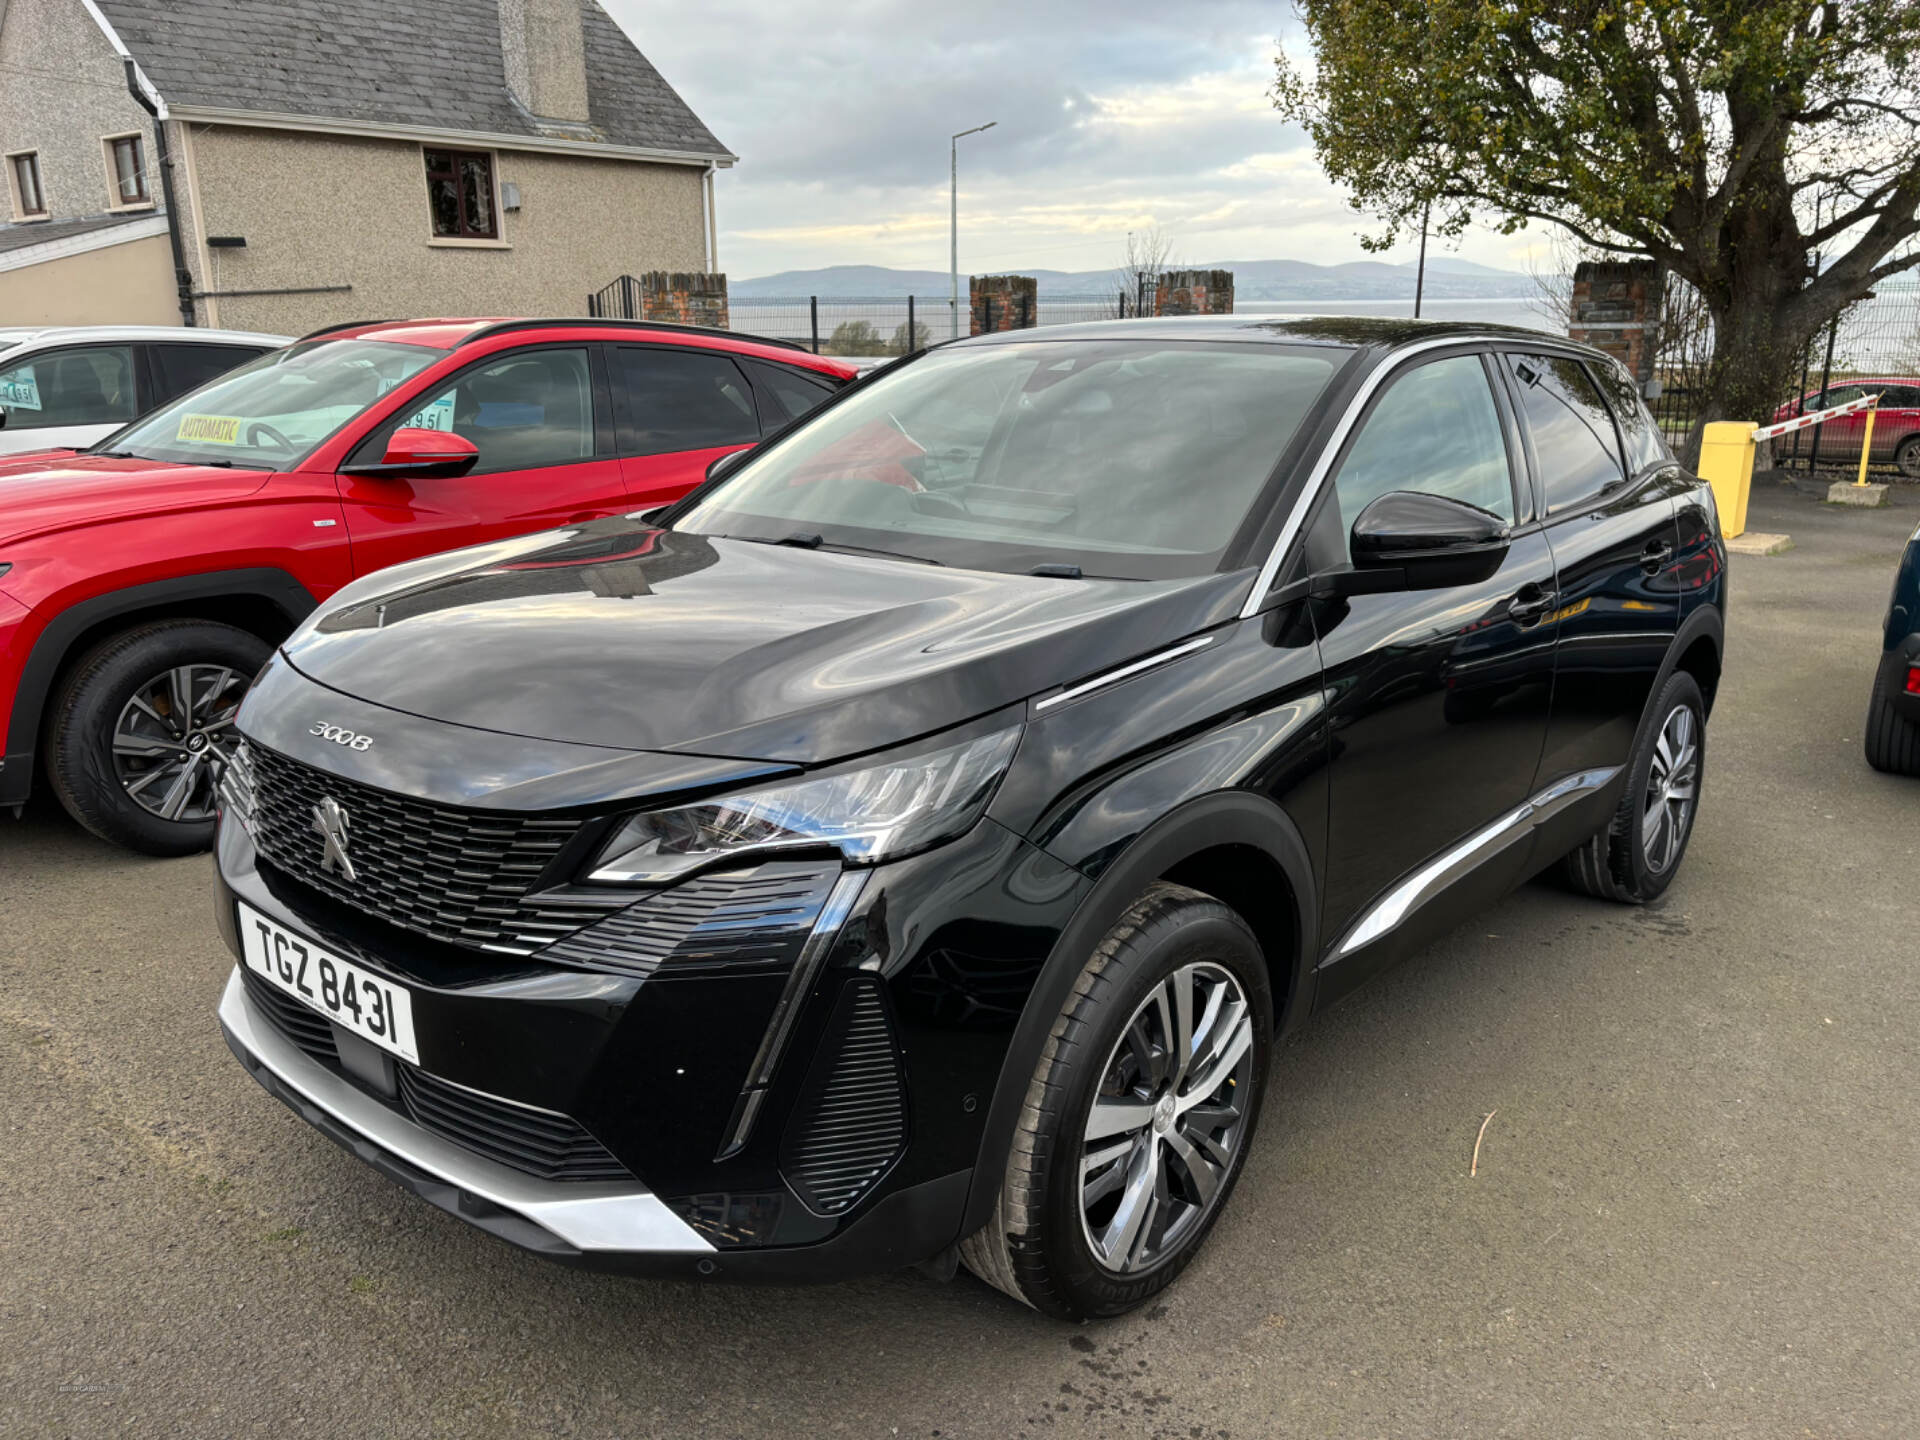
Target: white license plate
369, 1005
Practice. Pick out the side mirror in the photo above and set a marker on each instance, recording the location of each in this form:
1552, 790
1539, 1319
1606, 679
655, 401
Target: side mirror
422, 453
726, 464
1430, 539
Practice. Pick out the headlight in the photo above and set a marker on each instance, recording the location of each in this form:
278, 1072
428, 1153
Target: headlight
869, 815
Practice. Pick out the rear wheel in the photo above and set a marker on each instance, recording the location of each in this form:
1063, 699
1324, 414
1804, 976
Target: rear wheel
1907, 457
1893, 741
141, 729
1139, 1116
1635, 855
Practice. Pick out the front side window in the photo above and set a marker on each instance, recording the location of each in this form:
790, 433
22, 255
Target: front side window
460, 195
1435, 431
29, 200
1573, 437
180, 368
1138, 459
276, 411
680, 400
126, 162
88, 386
532, 409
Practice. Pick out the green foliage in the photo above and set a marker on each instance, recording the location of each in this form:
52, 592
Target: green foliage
856, 337
902, 343
1697, 133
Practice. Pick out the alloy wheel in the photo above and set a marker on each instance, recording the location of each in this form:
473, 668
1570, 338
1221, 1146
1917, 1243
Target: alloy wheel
1672, 784
1167, 1121
172, 739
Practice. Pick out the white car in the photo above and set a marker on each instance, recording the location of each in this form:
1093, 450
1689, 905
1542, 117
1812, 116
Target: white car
67, 387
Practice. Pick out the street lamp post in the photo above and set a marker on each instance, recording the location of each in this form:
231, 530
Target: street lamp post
953, 277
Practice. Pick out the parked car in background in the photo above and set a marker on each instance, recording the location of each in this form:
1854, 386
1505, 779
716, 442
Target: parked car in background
144, 582
1896, 428
915, 841
70, 386
1893, 708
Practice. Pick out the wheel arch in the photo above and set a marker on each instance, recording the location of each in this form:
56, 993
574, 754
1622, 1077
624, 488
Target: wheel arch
1236, 846
1697, 649
265, 602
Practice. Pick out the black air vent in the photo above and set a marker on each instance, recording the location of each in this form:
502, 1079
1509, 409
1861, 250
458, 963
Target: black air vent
851, 1123
305, 1027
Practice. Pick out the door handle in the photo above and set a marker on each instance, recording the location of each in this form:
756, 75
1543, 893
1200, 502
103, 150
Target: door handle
1530, 604
1657, 553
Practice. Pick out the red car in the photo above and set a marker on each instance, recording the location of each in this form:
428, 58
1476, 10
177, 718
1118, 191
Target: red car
1896, 428
144, 582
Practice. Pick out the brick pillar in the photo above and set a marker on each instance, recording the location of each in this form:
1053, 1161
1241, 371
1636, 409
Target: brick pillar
1002, 302
1616, 308
1194, 292
685, 298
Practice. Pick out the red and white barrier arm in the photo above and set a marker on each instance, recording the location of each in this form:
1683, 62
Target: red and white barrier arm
1800, 422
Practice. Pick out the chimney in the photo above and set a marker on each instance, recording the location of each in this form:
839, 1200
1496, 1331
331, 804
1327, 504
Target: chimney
546, 57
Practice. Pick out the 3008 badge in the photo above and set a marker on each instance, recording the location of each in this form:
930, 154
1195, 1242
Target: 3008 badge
340, 735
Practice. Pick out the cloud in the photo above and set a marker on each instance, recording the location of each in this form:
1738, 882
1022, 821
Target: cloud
1110, 116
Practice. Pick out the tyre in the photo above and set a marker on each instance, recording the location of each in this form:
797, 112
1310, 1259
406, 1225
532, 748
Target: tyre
140, 728
1907, 457
1635, 855
1893, 741
1130, 1141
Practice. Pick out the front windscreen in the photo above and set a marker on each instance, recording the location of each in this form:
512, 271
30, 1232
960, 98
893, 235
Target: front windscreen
274, 412
1131, 458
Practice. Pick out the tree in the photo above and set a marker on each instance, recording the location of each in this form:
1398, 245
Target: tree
1149, 256
856, 337
1696, 132
903, 342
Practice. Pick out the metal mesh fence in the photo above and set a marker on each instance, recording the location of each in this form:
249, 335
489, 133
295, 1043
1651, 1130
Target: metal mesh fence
877, 325
1876, 338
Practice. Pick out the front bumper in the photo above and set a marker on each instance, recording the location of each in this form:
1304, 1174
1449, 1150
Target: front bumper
656, 1069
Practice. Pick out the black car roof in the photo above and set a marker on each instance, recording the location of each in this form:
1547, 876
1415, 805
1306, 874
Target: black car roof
1349, 331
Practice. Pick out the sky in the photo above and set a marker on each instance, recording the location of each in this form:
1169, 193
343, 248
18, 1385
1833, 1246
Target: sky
1112, 116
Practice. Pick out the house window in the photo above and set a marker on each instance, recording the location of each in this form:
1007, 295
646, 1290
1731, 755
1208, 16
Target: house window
29, 200
460, 195
127, 170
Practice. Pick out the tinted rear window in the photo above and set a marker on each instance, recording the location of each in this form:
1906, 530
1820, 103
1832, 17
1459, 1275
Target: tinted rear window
1573, 438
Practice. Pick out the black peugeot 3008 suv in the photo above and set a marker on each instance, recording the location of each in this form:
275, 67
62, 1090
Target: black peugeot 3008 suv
909, 845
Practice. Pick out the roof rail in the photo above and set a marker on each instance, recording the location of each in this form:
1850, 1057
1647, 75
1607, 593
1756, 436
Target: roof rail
559, 321
343, 325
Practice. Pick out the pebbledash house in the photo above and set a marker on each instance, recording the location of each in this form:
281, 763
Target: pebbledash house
280, 165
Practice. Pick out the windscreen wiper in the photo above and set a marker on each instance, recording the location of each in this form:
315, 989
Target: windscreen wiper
812, 540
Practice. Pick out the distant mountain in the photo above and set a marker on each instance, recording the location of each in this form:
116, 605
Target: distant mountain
1448, 278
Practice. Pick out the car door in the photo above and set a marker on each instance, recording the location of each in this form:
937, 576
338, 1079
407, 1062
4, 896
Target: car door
70, 396
1438, 698
677, 409
1897, 423
545, 459
1616, 547
175, 368
1840, 437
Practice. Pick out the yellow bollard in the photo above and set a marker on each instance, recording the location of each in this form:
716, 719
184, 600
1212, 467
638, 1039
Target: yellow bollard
1866, 441
1726, 463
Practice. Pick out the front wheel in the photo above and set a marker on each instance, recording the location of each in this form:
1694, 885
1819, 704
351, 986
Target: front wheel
1139, 1116
1635, 855
142, 727
1907, 457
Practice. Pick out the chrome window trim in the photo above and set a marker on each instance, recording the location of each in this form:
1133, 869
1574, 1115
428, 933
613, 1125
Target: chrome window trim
605, 1217
1317, 478
1386, 914
1112, 677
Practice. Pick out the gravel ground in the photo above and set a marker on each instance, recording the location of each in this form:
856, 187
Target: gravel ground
1695, 1211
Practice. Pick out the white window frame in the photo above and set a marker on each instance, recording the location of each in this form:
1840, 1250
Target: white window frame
22, 215
114, 203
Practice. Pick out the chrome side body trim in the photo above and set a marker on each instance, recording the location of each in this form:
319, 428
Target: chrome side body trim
1399, 902
1112, 677
585, 1216
1323, 466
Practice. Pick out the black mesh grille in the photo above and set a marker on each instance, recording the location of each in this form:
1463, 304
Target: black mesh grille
739, 922
539, 1142
852, 1124
311, 1031
459, 876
